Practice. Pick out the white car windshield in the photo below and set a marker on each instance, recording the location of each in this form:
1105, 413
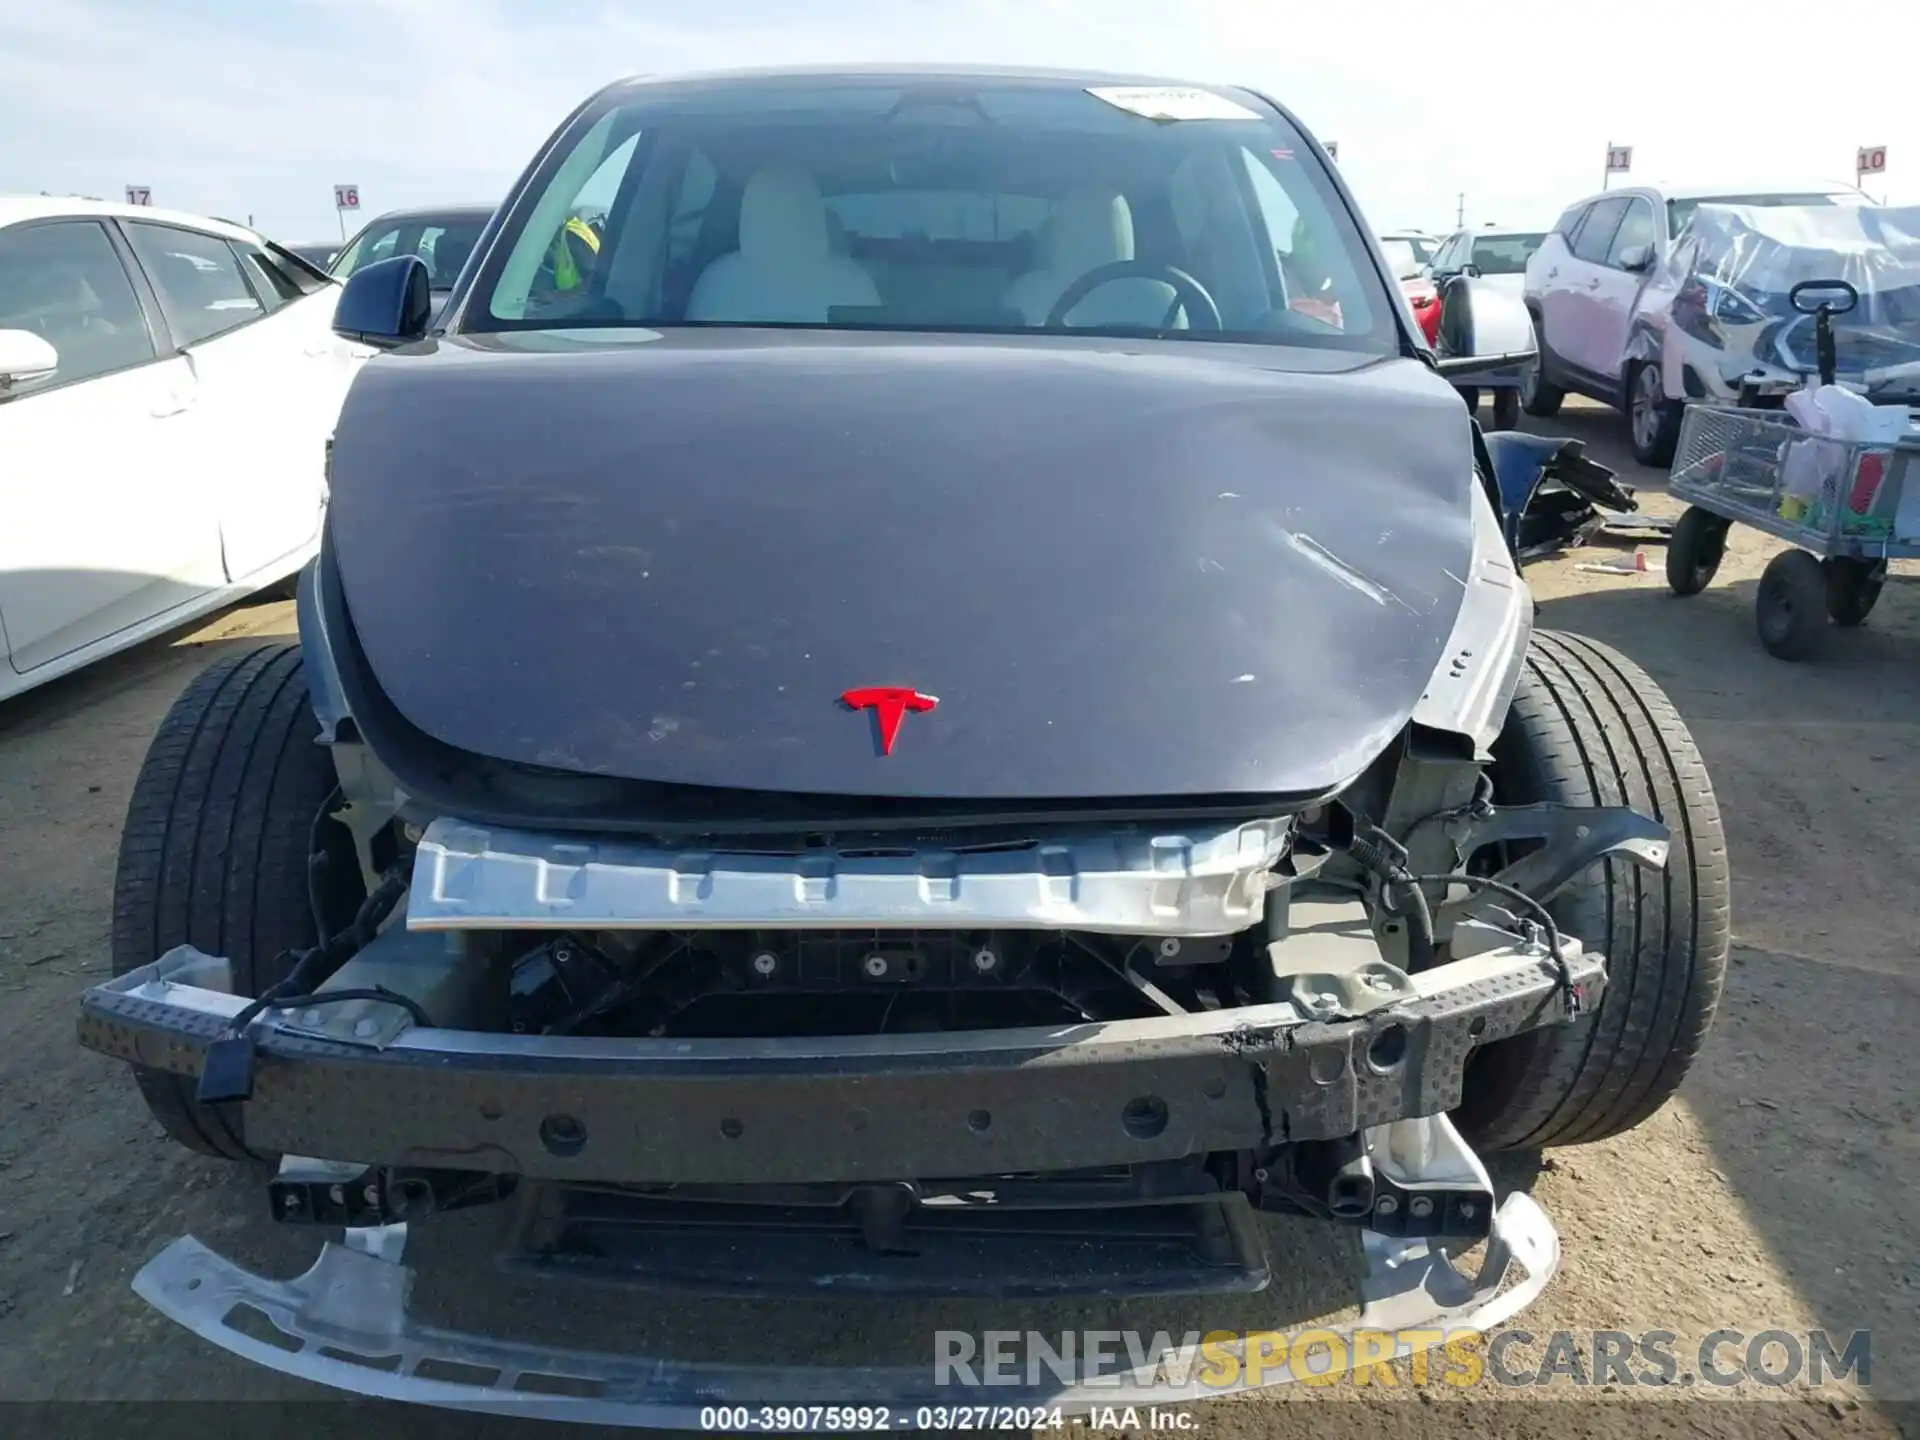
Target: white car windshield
993, 206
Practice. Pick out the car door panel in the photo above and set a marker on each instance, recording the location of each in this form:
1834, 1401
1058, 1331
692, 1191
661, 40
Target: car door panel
1580, 283
1614, 290
107, 523
249, 350
1549, 275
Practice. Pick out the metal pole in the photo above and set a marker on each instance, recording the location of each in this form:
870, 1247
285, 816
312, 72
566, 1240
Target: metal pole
1460, 211
341, 216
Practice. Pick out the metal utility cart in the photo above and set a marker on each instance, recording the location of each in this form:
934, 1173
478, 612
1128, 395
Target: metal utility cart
1835, 501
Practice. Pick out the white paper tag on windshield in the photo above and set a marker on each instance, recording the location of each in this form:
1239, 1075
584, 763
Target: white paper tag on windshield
1171, 102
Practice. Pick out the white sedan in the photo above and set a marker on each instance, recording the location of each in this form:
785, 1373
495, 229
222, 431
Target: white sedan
167, 387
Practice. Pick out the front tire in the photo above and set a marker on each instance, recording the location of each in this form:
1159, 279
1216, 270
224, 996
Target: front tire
1506, 409
215, 851
1589, 727
1653, 419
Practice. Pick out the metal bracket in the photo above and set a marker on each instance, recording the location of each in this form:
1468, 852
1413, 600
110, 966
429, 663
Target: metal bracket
1575, 837
1330, 965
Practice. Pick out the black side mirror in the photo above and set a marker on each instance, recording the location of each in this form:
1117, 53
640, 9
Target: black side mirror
386, 304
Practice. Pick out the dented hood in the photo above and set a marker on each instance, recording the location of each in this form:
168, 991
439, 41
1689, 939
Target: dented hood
1122, 568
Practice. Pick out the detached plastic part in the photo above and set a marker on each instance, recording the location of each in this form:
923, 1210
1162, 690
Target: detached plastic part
227, 1073
348, 1314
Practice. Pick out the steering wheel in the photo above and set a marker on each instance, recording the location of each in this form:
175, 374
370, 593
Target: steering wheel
1187, 291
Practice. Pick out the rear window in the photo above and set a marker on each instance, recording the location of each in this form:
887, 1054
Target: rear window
1504, 254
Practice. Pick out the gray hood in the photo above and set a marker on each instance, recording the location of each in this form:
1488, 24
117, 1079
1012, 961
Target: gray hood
1123, 568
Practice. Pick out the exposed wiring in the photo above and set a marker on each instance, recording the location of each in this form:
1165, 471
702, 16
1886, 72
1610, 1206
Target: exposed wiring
314, 966
1514, 892
317, 861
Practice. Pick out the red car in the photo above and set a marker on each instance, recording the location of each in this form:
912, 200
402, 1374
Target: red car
1408, 253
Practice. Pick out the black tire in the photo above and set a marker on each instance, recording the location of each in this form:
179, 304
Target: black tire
1853, 589
1538, 397
1589, 727
1653, 421
1506, 409
1694, 550
1791, 609
215, 850
1469, 394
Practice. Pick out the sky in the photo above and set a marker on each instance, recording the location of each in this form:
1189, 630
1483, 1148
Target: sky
257, 108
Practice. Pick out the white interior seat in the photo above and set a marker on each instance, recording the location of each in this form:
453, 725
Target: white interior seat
1091, 228
785, 269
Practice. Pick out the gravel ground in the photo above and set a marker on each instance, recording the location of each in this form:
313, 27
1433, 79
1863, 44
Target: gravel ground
1779, 1191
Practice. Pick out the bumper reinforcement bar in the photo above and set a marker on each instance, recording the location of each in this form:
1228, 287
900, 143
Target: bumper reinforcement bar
869, 1107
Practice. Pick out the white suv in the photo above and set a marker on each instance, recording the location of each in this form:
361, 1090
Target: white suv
1581, 286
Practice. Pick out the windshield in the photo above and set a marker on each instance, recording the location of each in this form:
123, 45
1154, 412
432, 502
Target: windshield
443, 241
1504, 254
1403, 258
1679, 212
990, 206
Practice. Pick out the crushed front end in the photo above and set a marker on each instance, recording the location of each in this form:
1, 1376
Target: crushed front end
1076, 1060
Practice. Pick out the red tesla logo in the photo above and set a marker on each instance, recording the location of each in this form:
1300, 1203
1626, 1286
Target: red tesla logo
889, 704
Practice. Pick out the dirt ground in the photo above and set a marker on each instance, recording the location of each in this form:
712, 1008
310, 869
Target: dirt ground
1782, 1191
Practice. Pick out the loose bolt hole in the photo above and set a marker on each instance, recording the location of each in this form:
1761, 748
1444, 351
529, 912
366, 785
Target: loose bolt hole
978, 1121
732, 1128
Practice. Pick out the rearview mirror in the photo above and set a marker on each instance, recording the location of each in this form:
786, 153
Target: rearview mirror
1636, 258
386, 304
24, 357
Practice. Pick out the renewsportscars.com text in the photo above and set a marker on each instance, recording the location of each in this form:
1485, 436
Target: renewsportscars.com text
1231, 1360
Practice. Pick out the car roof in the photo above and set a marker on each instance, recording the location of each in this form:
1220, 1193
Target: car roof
1663, 191
883, 75
1770, 187
432, 212
17, 208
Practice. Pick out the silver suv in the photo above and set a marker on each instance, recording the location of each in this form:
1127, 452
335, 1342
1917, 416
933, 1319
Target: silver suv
1581, 286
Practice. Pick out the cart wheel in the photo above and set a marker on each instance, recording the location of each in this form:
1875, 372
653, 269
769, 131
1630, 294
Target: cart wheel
1792, 607
1506, 409
1852, 588
1695, 550
1470, 394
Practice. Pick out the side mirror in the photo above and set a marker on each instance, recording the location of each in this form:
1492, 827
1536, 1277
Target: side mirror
24, 357
386, 304
1470, 270
1636, 258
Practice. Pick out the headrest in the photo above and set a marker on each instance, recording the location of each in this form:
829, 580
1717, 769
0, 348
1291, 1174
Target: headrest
1090, 228
782, 217
450, 252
